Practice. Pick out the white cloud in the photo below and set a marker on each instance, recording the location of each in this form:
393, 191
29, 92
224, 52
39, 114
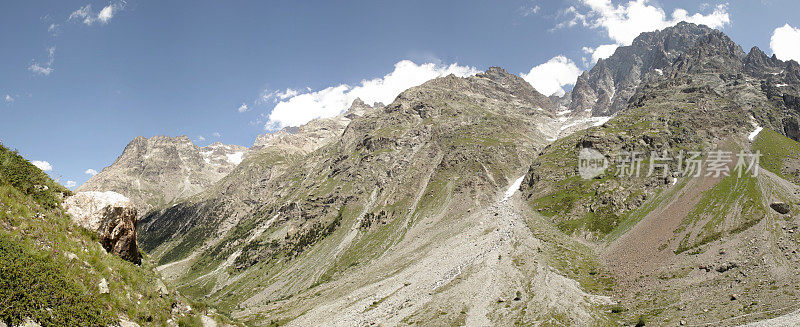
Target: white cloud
217, 134
46, 68
106, 14
528, 10
70, 184
243, 108
550, 78
87, 16
8, 98
90, 171
274, 95
604, 51
297, 109
200, 138
624, 22
785, 43
43, 165
53, 28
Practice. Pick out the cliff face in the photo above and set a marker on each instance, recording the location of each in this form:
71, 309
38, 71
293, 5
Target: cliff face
112, 216
155, 171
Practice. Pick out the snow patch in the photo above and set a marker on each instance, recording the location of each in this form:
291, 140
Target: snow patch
674, 180
753, 135
87, 207
235, 158
513, 188
781, 85
659, 71
106, 198
595, 121
601, 120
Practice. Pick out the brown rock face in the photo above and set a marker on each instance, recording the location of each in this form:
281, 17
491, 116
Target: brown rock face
112, 216
118, 233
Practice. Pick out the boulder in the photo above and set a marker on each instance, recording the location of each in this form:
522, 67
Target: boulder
780, 207
112, 216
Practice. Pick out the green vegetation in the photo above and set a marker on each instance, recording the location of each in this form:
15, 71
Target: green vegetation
734, 201
35, 285
51, 269
28, 179
776, 150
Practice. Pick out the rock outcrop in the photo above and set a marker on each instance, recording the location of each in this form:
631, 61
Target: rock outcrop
112, 216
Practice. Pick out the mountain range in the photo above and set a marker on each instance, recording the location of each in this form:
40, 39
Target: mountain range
463, 201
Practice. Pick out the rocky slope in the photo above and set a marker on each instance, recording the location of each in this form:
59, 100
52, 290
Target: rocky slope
388, 220
158, 170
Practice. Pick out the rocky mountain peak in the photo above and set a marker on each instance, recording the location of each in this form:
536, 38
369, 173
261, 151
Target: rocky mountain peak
607, 87
357, 108
154, 171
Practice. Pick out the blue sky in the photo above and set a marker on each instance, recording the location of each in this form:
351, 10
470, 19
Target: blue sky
78, 83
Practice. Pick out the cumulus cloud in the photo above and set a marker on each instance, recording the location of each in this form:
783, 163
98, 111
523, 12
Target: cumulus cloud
44, 68
8, 98
87, 16
299, 108
90, 172
43, 165
785, 43
200, 138
622, 23
243, 108
550, 78
70, 184
217, 134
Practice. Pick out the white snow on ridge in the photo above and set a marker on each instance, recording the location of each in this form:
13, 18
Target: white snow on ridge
601, 120
753, 135
596, 121
235, 158
513, 188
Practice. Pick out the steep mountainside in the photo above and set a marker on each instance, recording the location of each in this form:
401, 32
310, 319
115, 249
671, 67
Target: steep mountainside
158, 170
393, 217
705, 249
56, 273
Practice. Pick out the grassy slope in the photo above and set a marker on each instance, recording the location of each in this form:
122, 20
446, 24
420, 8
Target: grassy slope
50, 269
776, 150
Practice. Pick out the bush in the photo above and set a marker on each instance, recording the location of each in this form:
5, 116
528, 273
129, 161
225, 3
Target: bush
34, 285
